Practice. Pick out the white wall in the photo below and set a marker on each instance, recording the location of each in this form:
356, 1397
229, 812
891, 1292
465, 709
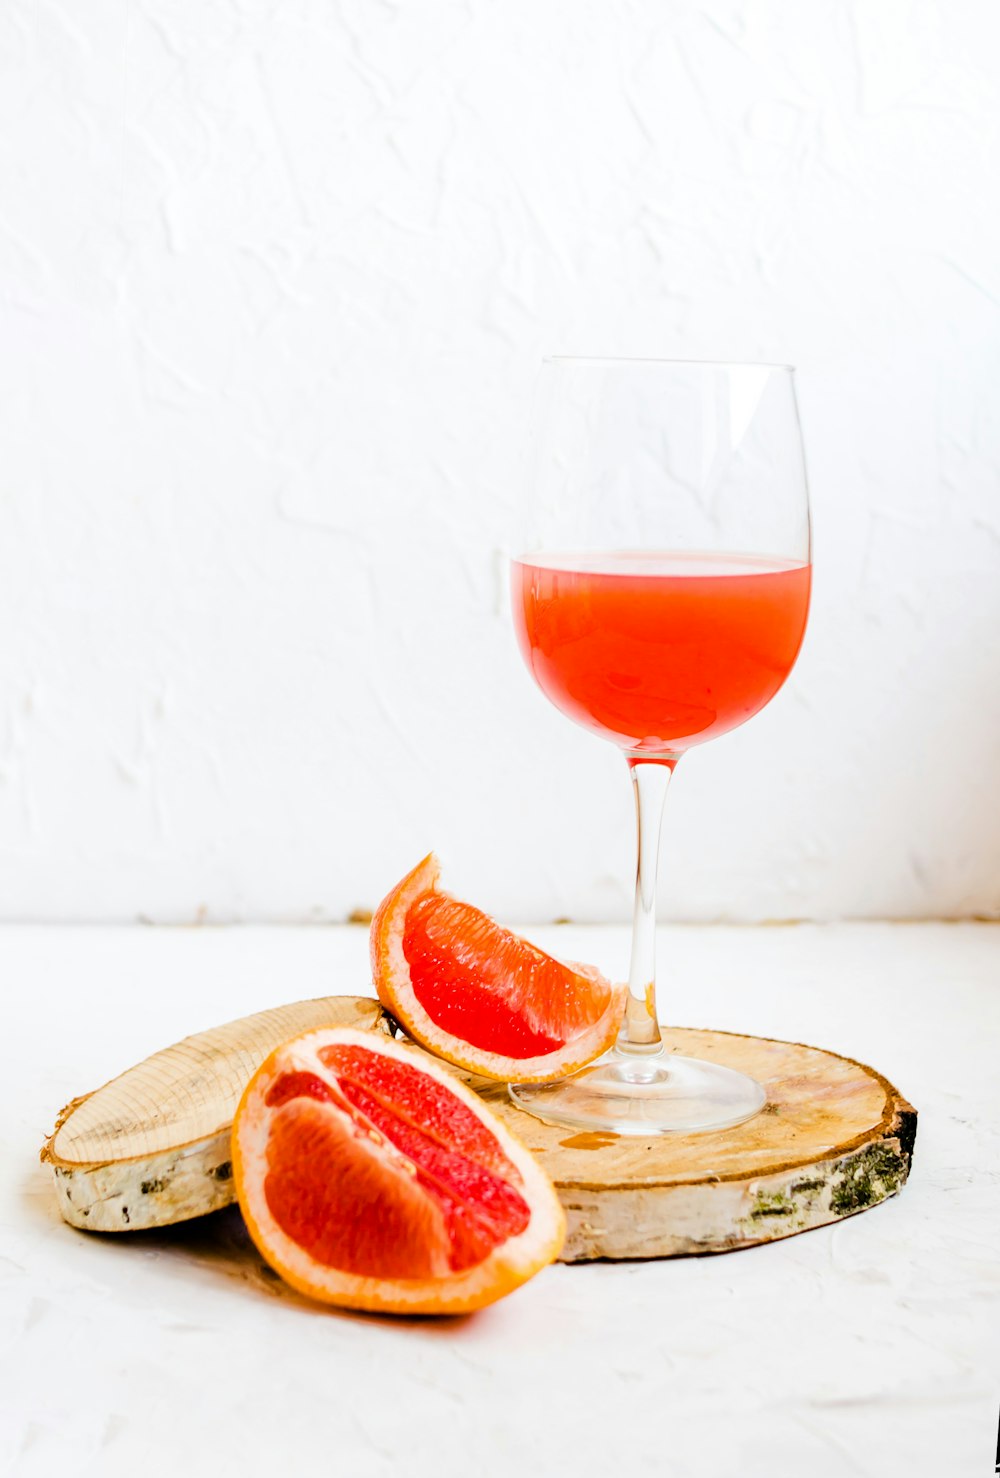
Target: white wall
274, 279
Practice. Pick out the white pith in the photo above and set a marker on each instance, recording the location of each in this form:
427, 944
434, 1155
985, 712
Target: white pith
513, 1262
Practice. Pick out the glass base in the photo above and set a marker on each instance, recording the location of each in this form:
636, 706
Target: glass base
644, 1096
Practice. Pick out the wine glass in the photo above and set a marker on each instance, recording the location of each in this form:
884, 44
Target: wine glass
660, 596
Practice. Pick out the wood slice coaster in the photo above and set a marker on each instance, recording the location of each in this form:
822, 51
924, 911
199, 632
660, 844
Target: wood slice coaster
834, 1138
152, 1147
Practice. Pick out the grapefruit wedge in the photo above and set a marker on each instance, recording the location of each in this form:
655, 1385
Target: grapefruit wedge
369, 1177
480, 996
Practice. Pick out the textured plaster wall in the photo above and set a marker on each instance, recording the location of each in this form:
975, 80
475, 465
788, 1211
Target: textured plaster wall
274, 280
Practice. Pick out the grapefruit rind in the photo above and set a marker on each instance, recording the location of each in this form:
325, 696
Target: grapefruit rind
509, 1265
391, 974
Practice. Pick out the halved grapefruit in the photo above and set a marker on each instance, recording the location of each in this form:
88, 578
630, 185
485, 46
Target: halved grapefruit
370, 1177
480, 996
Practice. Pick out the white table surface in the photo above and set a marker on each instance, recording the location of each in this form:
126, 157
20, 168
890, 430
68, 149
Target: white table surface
871, 1347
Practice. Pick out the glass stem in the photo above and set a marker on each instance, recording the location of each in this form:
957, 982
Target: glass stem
640, 1032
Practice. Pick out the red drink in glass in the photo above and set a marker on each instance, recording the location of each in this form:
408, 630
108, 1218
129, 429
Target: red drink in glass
659, 651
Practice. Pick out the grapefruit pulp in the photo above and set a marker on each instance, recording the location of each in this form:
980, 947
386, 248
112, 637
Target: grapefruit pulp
479, 995
369, 1177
